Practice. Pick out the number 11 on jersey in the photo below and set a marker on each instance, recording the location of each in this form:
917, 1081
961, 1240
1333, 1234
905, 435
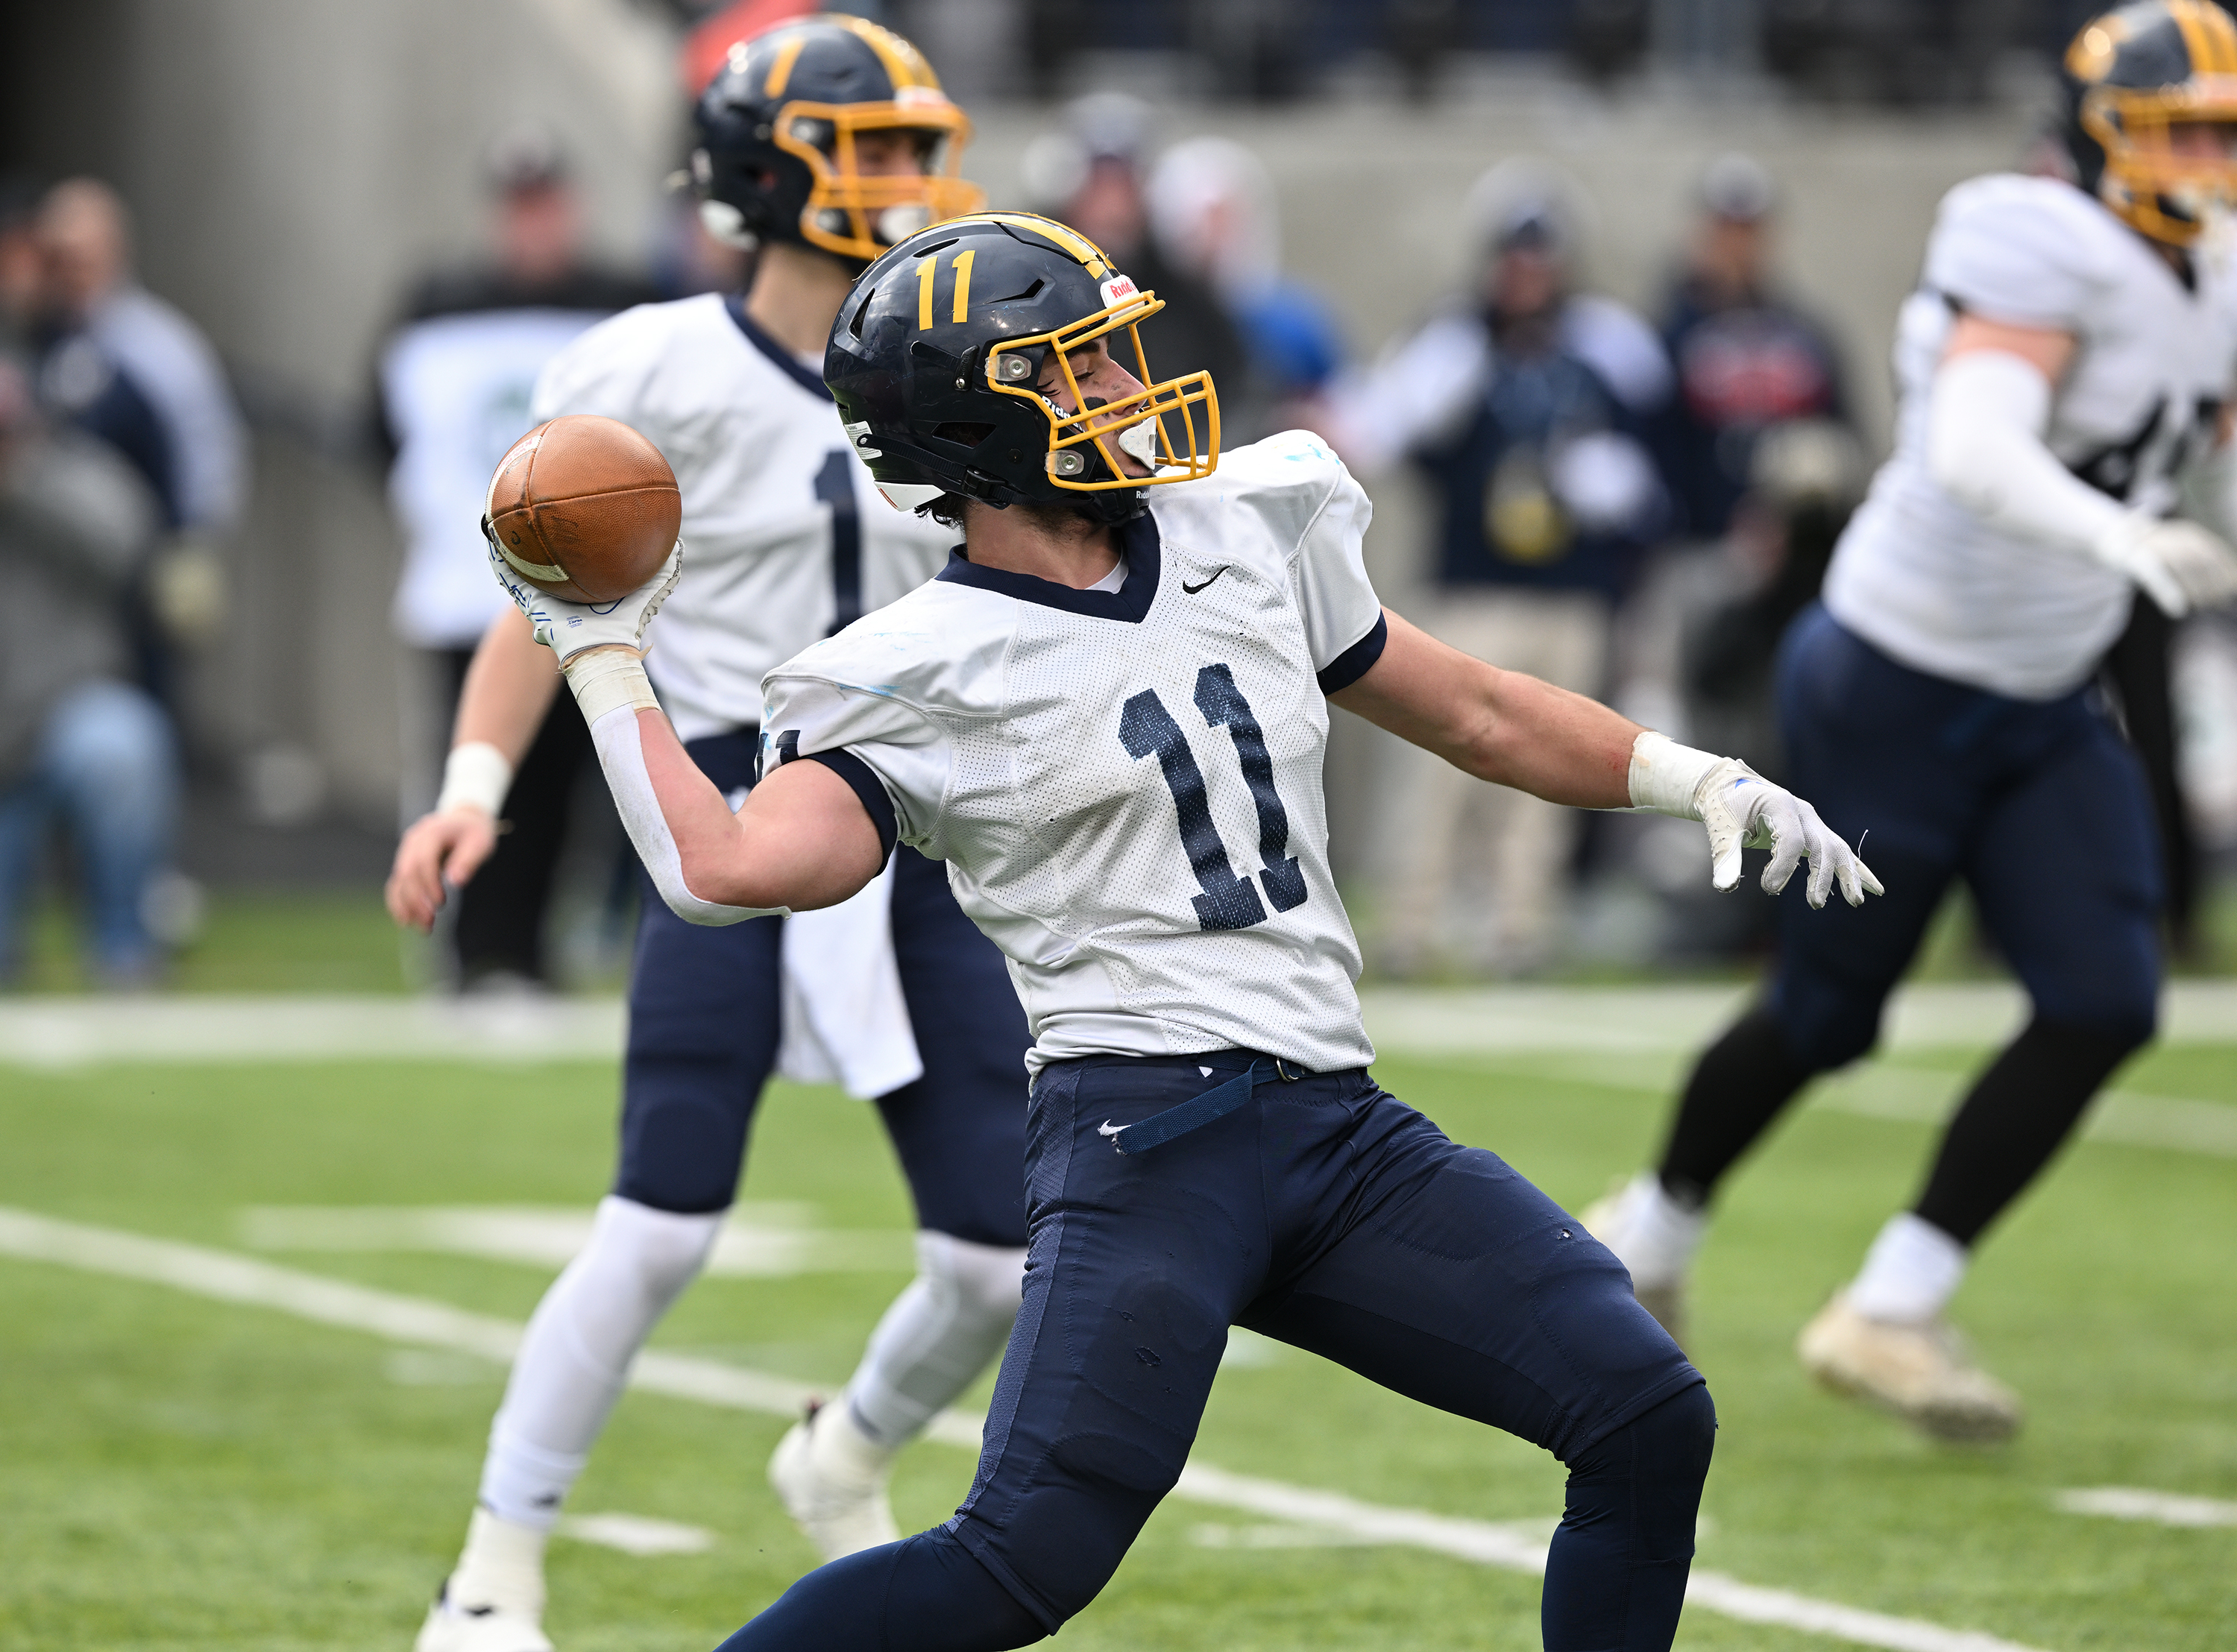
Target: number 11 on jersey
1228, 902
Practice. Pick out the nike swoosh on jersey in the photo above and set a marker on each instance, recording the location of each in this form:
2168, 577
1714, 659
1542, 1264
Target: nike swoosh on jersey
1193, 589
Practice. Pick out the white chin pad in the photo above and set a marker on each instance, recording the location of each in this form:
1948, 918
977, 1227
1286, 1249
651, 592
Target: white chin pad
727, 225
1141, 441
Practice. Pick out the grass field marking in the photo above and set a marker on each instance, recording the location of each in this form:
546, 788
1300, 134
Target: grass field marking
1521, 1546
636, 1534
231, 1278
2133, 1503
758, 1239
62, 1033
1910, 1095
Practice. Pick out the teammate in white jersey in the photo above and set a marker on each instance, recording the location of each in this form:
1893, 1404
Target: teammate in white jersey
2065, 366
1107, 716
903, 997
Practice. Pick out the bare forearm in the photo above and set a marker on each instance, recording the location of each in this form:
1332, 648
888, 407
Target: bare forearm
508, 689
1499, 726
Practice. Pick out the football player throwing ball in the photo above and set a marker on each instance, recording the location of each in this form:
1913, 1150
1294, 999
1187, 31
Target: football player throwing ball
1107, 715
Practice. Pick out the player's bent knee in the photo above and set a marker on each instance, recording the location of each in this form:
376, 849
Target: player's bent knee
662, 1250
984, 1280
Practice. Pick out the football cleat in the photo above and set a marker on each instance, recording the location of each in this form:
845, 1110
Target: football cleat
832, 1479
1655, 1239
1923, 1372
452, 1628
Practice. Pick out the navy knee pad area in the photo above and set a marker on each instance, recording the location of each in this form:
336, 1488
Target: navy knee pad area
1628, 1517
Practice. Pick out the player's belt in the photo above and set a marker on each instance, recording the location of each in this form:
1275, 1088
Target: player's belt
1200, 1110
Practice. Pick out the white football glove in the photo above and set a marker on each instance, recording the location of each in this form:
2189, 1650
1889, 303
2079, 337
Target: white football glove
567, 628
2179, 565
1742, 810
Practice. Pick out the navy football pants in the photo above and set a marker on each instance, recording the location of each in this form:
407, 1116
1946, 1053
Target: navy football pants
1325, 1213
703, 1033
2038, 806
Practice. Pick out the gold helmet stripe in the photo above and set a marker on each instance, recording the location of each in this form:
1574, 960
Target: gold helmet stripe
2209, 47
2222, 32
904, 64
788, 53
1070, 239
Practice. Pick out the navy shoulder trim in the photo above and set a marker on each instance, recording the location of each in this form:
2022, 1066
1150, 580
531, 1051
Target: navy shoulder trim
808, 380
1138, 546
1355, 662
862, 780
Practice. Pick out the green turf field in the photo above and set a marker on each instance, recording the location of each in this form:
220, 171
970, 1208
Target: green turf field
177, 1472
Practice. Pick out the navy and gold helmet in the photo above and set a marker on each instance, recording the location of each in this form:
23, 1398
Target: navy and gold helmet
937, 350
2130, 77
777, 129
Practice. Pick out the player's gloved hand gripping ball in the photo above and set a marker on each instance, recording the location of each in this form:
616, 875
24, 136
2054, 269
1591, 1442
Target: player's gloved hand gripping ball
1742, 810
582, 526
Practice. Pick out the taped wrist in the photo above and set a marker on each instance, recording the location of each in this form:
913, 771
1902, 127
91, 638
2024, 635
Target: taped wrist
607, 678
611, 689
475, 775
1666, 777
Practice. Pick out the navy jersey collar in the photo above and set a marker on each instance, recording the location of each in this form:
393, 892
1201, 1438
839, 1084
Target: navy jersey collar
1138, 546
806, 379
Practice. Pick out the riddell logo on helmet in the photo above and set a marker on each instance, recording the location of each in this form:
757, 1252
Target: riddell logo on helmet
1118, 287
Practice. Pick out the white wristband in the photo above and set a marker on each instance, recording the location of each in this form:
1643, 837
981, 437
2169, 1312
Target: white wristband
1666, 777
606, 678
475, 775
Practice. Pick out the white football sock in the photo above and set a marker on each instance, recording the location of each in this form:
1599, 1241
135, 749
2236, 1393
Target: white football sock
575, 1358
939, 1334
502, 1566
1910, 1272
1655, 1235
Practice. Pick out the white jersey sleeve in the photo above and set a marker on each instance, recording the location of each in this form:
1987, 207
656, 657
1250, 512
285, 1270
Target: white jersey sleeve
2024, 251
1343, 613
907, 751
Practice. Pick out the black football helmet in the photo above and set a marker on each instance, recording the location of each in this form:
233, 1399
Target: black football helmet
2129, 76
937, 350
777, 127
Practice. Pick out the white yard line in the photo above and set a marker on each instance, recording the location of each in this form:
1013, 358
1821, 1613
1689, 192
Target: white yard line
636, 1534
1513, 1547
68, 1032
2162, 1508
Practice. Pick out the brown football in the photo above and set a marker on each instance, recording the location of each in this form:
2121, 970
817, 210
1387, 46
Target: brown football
585, 507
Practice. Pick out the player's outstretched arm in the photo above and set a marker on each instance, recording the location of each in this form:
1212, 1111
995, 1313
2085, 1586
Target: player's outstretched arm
1515, 730
507, 691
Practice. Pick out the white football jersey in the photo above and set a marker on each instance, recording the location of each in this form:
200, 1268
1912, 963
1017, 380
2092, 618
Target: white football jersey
784, 533
1126, 785
1922, 578
457, 388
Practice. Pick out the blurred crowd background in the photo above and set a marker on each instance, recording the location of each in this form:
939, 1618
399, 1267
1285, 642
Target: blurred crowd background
1594, 295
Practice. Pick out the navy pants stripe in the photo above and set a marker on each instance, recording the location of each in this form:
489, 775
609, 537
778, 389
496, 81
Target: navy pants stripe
1324, 1213
703, 1036
2039, 806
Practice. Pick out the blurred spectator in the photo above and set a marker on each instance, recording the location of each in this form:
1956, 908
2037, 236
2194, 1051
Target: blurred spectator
453, 382
128, 367
1522, 405
1747, 357
78, 738
1211, 206
1089, 174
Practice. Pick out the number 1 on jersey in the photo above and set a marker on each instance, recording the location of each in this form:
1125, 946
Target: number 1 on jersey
1228, 902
